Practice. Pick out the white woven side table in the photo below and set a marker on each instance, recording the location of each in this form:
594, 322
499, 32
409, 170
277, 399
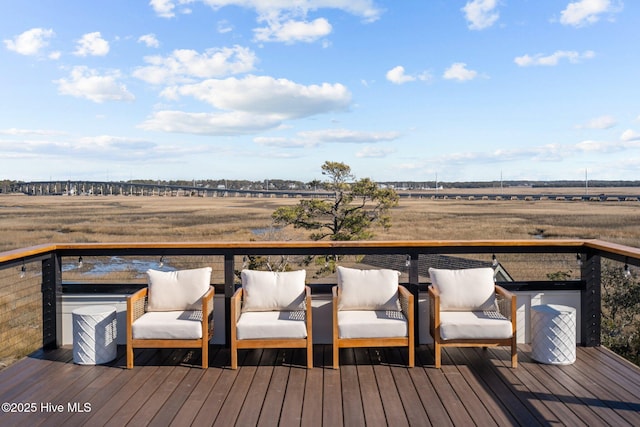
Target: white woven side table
94, 334
553, 334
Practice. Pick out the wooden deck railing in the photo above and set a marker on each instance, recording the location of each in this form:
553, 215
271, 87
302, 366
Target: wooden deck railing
591, 252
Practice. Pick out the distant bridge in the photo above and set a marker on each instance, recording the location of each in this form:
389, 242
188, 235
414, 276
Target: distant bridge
106, 188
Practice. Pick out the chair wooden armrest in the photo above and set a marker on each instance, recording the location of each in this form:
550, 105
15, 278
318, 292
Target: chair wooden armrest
307, 299
406, 301
408, 309
308, 311
207, 313
434, 309
236, 306
506, 302
136, 305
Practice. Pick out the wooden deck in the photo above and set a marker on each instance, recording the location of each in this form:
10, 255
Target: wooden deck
372, 387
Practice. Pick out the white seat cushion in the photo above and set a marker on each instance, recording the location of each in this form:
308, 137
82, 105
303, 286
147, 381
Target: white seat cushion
271, 324
177, 290
168, 325
371, 324
368, 289
474, 325
471, 289
272, 290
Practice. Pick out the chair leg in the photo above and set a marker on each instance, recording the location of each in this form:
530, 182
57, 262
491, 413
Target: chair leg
310, 356
129, 356
336, 356
514, 354
205, 354
437, 349
234, 356
412, 355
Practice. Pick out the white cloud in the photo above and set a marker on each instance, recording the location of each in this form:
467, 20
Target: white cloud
397, 76
224, 27
248, 105
234, 123
92, 44
553, 59
481, 14
293, 31
364, 8
314, 138
273, 141
628, 140
31, 42
630, 135
348, 136
590, 146
94, 147
163, 8
458, 71
184, 64
374, 152
89, 84
586, 12
286, 20
149, 40
602, 122
109, 142
268, 96
37, 132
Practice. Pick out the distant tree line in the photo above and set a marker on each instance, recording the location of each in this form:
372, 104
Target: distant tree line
316, 185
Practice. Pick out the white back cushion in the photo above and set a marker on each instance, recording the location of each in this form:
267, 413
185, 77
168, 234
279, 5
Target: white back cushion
177, 290
368, 289
471, 289
271, 290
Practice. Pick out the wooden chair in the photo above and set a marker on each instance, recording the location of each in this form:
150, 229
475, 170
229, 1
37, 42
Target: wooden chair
467, 309
370, 309
271, 310
175, 311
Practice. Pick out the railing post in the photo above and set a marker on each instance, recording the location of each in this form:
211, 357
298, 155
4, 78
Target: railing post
414, 288
591, 305
51, 301
229, 289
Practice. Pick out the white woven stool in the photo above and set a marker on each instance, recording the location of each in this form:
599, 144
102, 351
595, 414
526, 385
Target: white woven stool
553, 334
94, 334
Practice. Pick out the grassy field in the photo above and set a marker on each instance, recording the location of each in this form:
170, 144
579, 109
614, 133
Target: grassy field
28, 220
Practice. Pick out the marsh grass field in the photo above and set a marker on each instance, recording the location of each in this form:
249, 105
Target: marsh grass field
33, 220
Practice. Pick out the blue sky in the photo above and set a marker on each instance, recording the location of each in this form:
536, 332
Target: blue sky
265, 89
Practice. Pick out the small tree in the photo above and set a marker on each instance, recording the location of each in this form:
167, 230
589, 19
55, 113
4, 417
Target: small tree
349, 214
620, 318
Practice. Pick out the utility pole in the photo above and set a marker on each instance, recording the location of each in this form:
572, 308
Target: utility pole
586, 183
436, 185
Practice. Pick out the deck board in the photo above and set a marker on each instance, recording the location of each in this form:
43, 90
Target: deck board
372, 387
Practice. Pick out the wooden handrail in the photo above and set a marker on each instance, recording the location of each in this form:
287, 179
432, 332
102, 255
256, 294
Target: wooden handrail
30, 251
606, 249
